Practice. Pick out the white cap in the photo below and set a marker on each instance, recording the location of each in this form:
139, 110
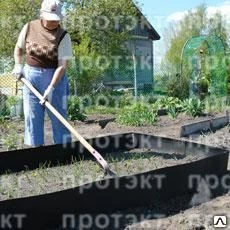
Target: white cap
51, 10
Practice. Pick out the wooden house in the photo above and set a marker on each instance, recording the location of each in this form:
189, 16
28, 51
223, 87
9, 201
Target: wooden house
137, 67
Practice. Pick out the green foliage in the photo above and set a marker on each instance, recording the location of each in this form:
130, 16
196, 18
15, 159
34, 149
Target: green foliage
152, 98
12, 100
108, 98
194, 24
10, 141
14, 14
96, 20
178, 86
10, 138
204, 85
173, 112
228, 89
102, 110
75, 109
160, 80
86, 70
228, 80
215, 103
191, 25
219, 78
105, 98
138, 114
125, 100
4, 107
217, 27
97, 37
172, 104
108, 102
4, 111
204, 79
193, 107
168, 102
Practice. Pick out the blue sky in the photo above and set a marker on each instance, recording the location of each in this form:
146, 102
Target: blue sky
162, 12
167, 7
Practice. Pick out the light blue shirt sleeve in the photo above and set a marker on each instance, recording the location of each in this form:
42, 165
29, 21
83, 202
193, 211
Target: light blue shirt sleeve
65, 48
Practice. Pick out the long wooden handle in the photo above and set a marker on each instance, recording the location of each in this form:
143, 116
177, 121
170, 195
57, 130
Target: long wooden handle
97, 155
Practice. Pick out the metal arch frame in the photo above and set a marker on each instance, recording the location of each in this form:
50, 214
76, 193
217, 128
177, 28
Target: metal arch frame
206, 39
208, 44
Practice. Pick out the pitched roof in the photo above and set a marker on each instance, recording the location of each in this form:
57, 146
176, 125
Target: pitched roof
152, 32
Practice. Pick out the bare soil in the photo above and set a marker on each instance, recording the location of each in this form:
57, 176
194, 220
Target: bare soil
51, 179
172, 215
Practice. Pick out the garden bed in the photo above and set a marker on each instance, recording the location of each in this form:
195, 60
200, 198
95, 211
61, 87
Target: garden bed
178, 213
12, 132
46, 179
172, 214
205, 125
173, 160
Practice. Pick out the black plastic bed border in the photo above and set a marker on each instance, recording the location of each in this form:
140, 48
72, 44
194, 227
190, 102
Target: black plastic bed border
207, 125
44, 211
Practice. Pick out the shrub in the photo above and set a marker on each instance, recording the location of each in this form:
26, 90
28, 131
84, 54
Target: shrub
101, 110
193, 107
215, 104
105, 99
178, 86
15, 105
4, 108
11, 141
4, 111
168, 102
173, 112
228, 88
125, 100
75, 110
138, 114
152, 98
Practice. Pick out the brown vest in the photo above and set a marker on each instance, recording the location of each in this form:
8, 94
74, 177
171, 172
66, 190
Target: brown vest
42, 45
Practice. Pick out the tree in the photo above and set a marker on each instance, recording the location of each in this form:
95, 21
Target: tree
101, 20
217, 27
99, 30
191, 25
194, 24
13, 15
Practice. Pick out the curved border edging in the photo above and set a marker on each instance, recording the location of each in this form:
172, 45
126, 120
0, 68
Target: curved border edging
46, 210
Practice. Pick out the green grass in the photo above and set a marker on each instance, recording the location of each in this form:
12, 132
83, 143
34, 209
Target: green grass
47, 179
102, 110
138, 114
11, 138
216, 104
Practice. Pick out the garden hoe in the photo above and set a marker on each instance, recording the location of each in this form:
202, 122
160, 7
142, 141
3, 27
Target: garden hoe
97, 155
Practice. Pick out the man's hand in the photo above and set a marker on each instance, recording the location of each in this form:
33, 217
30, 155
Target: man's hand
47, 94
18, 71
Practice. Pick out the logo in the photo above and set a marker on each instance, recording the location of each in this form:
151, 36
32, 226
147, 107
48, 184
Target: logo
220, 221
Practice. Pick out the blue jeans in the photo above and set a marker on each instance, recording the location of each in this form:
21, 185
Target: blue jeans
34, 112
